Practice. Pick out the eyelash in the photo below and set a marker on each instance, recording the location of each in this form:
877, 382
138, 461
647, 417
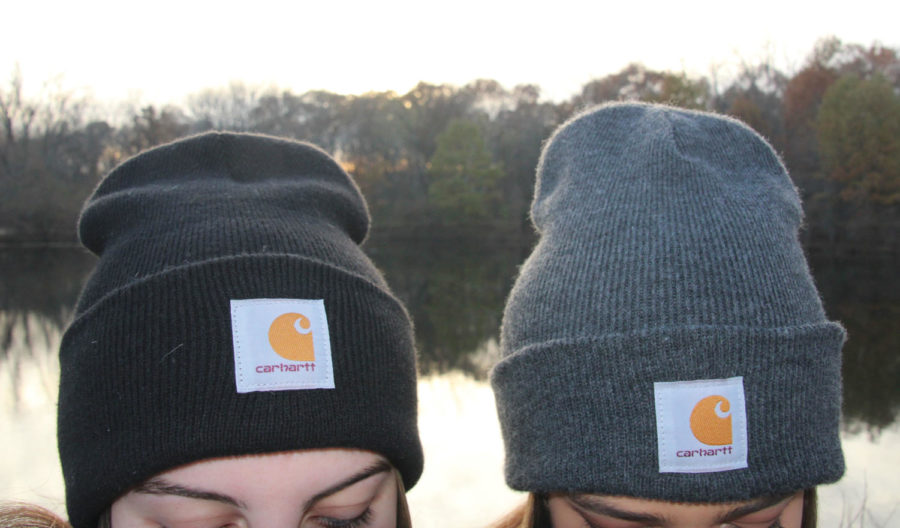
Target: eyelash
587, 523
328, 522
356, 522
776, 524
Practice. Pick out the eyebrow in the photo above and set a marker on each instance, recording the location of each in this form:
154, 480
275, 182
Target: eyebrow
599, 506
161, 486
380, 466
754, 507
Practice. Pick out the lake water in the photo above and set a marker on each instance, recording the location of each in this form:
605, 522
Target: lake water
455, 291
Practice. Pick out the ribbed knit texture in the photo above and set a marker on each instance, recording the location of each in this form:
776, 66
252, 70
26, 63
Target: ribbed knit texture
668, 251
147, 366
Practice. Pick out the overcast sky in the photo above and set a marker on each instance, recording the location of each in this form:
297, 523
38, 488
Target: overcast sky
164, 50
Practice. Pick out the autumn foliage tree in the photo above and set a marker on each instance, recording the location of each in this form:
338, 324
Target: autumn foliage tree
451, 157
859, 138
637, 83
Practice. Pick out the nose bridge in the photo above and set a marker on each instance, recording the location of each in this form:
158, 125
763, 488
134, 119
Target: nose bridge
696, 520
271, 502
276, 515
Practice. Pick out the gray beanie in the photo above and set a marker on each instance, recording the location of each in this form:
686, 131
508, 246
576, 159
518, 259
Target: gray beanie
665, 339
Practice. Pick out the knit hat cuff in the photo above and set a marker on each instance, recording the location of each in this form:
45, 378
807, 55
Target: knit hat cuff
220, 267
791, 380
153, 344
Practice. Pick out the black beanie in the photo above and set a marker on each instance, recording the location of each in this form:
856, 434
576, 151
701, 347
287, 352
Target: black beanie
231, 312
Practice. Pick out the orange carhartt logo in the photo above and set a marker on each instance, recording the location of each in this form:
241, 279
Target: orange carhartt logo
291, 337
711, 421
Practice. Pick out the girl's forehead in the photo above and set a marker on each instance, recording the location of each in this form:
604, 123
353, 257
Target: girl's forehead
253, 481
310, 462
292, 474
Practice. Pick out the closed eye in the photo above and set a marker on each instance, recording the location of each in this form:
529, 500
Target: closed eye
356, 522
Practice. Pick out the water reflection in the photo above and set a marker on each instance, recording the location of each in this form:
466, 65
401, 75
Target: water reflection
864, 295
455, 291
38, 288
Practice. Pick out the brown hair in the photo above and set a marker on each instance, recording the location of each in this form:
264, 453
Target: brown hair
530, 514
21, 515
403, 518
533, 513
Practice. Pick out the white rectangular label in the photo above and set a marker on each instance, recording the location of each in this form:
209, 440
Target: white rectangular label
281, 344
701, 426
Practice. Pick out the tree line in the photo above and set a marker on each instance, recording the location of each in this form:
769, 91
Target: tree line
460, 160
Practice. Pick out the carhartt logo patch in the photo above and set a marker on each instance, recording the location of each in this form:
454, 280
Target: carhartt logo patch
701, 426
281, 344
